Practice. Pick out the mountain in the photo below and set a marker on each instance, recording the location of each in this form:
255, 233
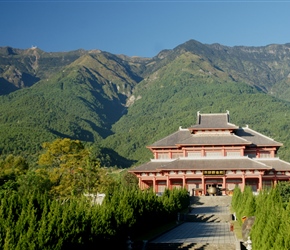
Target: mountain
81, 100
172, 95
125, 103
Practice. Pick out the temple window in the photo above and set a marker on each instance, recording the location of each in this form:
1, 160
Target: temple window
213, 153
233, 153
177, 155
163, 155
265, 154
194, 154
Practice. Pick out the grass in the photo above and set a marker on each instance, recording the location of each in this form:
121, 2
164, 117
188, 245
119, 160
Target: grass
237, 227
237, 230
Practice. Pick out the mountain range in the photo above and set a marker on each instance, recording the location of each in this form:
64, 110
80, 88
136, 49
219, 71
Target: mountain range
121, 104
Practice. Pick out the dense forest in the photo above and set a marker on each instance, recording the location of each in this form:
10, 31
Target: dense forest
271, 210
117, 105
45, 206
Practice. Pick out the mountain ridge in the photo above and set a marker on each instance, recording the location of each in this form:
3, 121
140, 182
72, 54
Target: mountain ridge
124, 103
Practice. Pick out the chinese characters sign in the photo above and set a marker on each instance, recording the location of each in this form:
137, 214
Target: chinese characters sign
213, 172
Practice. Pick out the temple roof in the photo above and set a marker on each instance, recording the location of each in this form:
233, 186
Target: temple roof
214, 139
256, 138
173, 139
213, 121
243, 163
275, 163
184, 137
149, 166
240, 136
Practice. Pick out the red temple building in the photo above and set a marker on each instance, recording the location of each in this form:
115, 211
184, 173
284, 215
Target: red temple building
213, 153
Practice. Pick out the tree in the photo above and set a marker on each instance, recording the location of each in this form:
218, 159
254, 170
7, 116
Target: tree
129, 180
11, 167
72, 169
283, 238
284, 190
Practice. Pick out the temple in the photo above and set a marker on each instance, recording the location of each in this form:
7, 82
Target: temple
213, 153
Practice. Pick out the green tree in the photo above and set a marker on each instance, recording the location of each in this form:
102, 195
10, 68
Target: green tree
283, 237
129, 180
11, 168
249, 203
237, 198
284, 190
71, 169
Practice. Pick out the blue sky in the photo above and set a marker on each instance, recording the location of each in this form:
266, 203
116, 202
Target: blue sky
141, 28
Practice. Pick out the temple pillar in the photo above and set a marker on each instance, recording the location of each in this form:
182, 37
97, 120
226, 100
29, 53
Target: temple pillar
260, 181
183, 181
275, 180
167, 181
223, 151
154, 184
224, 185
203, 185
242, 152
243, 181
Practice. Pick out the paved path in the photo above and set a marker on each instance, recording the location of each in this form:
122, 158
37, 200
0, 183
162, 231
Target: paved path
199, 232
212, 226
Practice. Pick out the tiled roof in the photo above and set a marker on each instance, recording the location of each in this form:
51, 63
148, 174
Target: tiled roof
276, 163
184, 137
213, 121
256, 138
172, 139
243, 163
149, 166
240, 136
214, 139
215, 164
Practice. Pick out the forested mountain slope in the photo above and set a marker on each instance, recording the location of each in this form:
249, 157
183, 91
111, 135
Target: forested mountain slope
173, 94
80, 101
125, 103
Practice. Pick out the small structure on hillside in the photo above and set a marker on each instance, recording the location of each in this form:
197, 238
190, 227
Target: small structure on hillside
96, 198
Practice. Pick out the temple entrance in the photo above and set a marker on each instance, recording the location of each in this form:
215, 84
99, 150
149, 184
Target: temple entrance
213, 187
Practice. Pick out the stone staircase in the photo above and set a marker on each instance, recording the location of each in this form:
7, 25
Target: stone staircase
220, 207
210, 201
208, 218
189, 246
207, 202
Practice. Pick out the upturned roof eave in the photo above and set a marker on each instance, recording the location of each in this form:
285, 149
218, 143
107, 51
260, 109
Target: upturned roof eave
161, 146
212, 128
210, 144
268, 145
